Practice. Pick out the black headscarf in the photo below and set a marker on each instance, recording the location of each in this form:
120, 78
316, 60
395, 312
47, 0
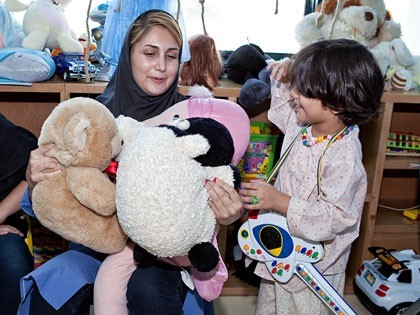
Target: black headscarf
16, 143
123, 96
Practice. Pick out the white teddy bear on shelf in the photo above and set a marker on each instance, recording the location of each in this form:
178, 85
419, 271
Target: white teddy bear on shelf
403, 68
366, 21
45, 25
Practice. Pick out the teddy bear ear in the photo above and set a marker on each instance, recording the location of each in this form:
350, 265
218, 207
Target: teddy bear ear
75, 133
193, 145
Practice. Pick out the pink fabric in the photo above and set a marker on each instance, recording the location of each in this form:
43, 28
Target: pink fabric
229, 114
111, 282
209, 285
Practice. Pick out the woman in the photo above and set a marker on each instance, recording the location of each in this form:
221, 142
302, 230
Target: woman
143, 86
16, 260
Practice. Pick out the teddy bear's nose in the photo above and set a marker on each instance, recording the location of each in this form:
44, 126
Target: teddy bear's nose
368, 16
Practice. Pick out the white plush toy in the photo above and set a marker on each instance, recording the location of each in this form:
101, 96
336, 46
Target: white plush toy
162, 203
366, 21
355, 22
402, 65
45, 25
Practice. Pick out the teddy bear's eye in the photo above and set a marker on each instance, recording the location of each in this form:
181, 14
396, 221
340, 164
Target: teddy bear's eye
122, 142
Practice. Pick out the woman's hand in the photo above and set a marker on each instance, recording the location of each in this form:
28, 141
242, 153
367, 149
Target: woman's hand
224, 201
6, 229
258, 194
41, 167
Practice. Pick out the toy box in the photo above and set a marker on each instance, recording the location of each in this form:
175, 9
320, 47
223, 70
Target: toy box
259, 157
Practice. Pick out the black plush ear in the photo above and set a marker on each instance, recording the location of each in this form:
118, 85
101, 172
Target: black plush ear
221, 143
237, 178
204, 257
142, 257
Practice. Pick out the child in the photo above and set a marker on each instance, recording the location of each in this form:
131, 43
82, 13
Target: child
333, 86
205, 66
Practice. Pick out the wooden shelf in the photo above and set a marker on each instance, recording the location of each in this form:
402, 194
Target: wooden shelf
395, 231
226, 89
393, 221
401, 161
400, 112
394, 96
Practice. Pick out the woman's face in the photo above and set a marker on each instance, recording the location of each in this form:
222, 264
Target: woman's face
155, 61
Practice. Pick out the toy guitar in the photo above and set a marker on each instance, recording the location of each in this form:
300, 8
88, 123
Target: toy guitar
265, 237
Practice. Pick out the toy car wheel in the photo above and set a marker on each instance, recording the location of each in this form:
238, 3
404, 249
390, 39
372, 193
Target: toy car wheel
66, 76
399, 309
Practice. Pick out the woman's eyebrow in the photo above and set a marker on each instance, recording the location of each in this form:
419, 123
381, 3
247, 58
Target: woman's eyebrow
157, 47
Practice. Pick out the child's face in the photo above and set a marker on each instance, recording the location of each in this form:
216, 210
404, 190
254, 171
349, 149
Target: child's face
311, 110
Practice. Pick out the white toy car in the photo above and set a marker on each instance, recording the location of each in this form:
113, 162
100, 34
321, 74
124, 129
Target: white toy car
390, 283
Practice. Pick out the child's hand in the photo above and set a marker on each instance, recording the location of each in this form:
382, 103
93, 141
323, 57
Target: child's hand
279, 69
258, 194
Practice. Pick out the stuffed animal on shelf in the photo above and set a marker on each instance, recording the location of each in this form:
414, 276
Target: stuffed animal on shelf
366, 21
45, 25
255, 90
247, 65
25, 65
79, 203
403, 68
11, 32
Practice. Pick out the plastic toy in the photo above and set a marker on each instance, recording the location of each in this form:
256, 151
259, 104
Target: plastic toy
265, 237
403, 142
72, 66
259, 157
390, 283
413, 214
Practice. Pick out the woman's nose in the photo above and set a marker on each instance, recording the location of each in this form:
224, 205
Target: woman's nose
161, 64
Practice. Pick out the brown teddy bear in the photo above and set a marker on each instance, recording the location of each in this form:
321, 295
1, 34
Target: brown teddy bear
79, 203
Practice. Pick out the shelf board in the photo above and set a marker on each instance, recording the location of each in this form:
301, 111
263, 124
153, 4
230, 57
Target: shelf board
401, 160
235, 286
391, 221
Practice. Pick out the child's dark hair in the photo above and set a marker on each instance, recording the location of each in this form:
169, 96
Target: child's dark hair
343, 74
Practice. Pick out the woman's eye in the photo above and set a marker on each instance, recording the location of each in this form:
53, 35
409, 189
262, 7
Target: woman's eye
173, 56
